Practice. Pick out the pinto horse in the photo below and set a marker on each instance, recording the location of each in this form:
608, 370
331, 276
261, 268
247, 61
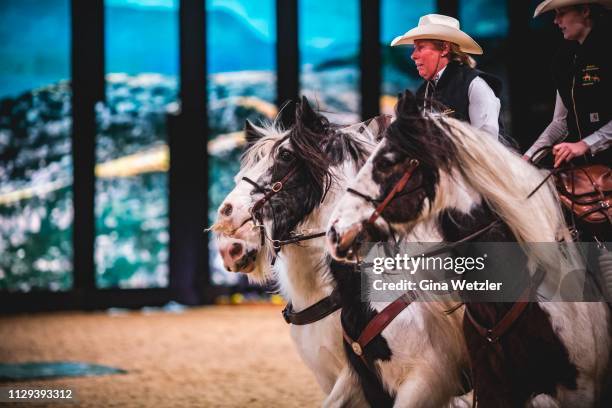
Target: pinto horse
437, 173
288, 183
313, 162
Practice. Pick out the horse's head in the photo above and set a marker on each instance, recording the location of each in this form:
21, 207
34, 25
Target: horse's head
237, 236
285, 176
399, 180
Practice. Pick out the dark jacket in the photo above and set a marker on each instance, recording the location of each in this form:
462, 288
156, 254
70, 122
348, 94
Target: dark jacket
582, 76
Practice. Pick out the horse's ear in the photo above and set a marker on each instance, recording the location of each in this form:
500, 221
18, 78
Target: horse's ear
407, 104
308, 117
251, 133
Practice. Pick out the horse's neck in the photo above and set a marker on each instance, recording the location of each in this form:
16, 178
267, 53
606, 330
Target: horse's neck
454, 192
304, 278
304, 275
467, 213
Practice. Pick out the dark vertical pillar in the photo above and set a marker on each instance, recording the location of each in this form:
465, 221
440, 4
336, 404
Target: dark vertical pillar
448, 7
87, 64
188, 161
370, 58
287, 58
519, 16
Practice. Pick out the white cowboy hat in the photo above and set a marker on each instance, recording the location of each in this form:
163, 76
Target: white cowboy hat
548, 5
439, 27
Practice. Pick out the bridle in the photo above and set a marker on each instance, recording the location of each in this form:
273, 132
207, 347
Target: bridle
268, 193
397, 188
257, 216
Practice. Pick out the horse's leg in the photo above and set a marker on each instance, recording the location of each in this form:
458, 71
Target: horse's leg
419, 391
346, 392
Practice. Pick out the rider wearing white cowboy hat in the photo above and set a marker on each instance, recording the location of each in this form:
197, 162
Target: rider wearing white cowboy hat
581, 72
441, 55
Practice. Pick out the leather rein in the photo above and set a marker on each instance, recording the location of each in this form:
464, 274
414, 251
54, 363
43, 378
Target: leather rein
397, 188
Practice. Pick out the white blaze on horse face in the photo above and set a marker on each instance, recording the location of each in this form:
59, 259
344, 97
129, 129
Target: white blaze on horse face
352, 211
234, 211
238, 240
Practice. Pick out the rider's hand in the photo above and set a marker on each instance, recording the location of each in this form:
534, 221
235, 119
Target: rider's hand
565, 152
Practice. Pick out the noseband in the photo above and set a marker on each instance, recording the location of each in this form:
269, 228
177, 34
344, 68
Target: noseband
398, 187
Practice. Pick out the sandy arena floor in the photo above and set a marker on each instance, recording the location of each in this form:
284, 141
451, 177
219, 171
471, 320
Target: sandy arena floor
221, 356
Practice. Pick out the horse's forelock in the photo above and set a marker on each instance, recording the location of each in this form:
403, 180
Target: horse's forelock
308, 148
262, 148
347, 146
330, 145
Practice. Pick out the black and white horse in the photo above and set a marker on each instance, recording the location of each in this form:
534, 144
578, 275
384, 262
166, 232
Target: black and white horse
320, 160
461, 183
313, 160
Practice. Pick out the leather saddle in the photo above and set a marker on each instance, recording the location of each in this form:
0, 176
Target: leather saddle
587, 192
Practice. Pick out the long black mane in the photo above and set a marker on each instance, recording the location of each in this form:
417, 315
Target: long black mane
319, 145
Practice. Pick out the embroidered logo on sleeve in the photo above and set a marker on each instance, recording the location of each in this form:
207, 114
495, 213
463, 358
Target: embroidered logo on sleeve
590, 75
594, 117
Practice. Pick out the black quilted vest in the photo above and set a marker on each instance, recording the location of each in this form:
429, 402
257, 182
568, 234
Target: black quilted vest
452, 89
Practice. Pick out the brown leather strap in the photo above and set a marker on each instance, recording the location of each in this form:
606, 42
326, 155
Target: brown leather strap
279, 243
355, 347
314, 313
399, 186
276, 187
603, 208
255, 209
453, 309
494, 334
386, 316
378, 323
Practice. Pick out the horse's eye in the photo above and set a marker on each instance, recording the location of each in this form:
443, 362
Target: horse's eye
285, 155
383, 164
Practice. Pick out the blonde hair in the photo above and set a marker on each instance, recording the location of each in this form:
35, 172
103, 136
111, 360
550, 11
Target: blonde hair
455, 53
